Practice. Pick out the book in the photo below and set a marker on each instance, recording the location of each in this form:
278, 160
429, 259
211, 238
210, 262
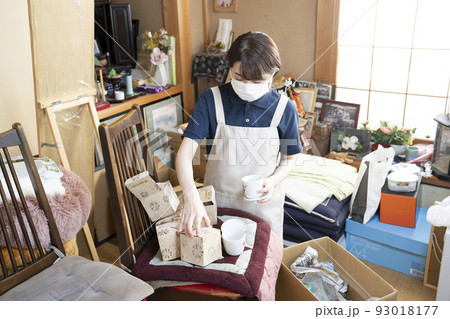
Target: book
172, 71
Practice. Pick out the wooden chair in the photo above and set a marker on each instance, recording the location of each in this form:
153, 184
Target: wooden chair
127, 152
45, 273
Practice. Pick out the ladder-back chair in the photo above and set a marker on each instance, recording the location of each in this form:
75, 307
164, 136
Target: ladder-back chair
126, 153
30, 271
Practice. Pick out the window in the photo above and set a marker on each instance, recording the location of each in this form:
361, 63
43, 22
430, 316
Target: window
394, 60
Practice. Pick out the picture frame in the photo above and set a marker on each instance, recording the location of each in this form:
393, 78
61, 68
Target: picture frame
341, 114
164, 115
325, 91
225, 6
307, 123
308, 96
363, 137
318, 107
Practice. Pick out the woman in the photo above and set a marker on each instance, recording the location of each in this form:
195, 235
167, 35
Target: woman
250, 125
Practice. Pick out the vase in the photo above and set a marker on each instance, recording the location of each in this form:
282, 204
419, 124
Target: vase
399, 149
161, 77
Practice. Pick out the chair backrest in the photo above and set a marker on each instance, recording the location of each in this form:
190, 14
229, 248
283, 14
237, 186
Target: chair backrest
126, 152
22, 255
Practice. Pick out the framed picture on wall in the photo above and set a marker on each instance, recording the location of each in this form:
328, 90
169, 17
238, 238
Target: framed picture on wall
341, 114
225, 5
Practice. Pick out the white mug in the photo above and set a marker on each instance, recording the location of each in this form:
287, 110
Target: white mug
251, 184
233, 241
232, 223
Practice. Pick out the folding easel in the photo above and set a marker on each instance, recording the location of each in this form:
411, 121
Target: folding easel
62, 37
50, 111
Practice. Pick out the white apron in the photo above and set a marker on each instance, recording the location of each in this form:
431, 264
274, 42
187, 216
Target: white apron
240, 151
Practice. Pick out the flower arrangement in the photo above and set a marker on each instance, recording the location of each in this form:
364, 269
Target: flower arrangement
392, 135
213, 47
159, 45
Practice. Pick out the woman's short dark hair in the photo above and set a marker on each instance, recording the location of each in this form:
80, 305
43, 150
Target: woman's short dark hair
257, 53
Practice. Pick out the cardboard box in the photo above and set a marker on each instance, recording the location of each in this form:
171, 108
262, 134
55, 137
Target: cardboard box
398, 208
203, 250
169, 238
199, 160
158, 199
208, 198
395, 247
363, 282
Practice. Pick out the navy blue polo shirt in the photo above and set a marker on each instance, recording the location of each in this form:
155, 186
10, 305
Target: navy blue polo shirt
259, 113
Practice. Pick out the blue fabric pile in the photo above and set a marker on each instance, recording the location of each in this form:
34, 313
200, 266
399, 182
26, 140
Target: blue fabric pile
327, 219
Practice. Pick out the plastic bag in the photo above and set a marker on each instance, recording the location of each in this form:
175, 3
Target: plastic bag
319, 277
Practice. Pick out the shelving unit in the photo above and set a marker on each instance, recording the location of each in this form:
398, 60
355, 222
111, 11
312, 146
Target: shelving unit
118, 108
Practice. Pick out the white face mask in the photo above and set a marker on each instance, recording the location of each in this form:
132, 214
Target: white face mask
250, 91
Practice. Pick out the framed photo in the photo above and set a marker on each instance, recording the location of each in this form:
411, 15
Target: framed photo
225, 5
318, 107
341, 114
308, 96
325, 91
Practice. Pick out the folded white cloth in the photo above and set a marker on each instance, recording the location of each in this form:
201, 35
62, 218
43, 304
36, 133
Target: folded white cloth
314, 179
439, 215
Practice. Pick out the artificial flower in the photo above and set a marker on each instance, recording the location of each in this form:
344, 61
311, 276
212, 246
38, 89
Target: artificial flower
157, 40
391, 135
157, 56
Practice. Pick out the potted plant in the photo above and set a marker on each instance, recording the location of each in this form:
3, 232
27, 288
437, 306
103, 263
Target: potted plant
391, 135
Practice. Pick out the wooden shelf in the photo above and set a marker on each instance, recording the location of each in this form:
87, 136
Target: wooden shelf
139, 100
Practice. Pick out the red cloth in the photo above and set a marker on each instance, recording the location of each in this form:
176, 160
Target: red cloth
247, 284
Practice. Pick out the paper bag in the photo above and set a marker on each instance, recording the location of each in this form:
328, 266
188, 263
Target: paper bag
371, 178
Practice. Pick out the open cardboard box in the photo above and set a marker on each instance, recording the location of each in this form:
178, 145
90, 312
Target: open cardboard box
199, 160
363, 282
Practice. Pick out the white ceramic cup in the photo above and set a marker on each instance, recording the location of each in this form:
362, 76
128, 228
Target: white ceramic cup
251, 184
232, 223
119, 95
233, 241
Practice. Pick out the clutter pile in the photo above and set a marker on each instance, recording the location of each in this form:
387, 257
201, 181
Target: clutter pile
163, 207
317, 198
319, 277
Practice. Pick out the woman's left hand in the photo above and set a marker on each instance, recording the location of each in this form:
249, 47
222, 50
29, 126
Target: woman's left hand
268, 187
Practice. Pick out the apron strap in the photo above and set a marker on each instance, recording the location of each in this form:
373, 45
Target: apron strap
279, 111
220, 116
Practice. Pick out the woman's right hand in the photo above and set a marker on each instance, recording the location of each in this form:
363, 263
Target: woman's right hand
192, 215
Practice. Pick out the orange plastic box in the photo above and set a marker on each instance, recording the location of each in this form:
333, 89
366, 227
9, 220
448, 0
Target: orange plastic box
398, 208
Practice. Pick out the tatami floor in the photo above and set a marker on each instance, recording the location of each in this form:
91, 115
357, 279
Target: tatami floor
409, 288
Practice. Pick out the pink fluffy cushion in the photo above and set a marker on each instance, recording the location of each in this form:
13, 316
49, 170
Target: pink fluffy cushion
70, 211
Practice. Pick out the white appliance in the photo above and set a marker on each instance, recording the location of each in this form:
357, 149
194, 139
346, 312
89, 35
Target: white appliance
443, 290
